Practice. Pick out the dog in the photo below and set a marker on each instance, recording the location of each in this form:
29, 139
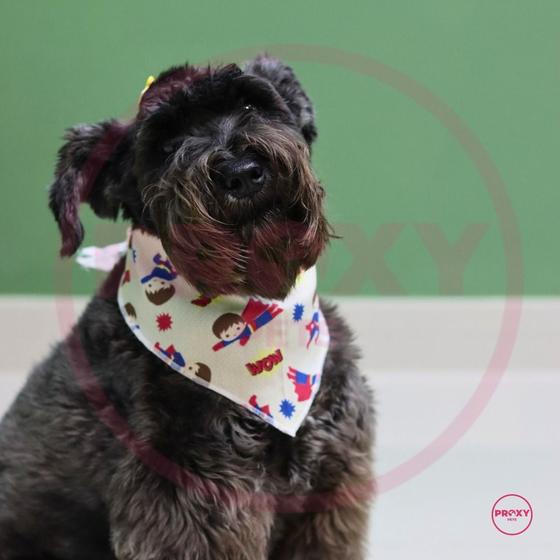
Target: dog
107, 452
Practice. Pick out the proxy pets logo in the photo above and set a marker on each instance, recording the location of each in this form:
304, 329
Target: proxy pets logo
512, 514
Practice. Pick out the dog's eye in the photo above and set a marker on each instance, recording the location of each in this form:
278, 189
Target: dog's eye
248, 108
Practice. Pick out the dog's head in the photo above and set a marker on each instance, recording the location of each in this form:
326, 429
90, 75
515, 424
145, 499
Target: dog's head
216, 164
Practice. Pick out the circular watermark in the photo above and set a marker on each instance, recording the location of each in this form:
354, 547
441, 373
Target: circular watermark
512, 514
494, 370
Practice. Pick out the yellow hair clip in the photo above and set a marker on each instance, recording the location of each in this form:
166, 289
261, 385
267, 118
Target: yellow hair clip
149, 81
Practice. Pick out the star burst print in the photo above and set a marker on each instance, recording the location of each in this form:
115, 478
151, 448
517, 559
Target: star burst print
164, 321
298, 312
287, 408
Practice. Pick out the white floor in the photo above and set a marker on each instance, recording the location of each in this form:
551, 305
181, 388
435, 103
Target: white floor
425, 359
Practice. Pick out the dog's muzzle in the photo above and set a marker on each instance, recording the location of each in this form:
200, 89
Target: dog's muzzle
242, 178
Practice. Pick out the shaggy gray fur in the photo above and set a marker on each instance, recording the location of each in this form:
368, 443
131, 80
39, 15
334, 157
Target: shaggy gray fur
107, 453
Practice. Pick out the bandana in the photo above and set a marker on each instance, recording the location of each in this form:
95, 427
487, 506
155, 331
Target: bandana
265, 355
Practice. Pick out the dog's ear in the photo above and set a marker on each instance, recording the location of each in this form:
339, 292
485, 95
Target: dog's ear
287, 85
90, 168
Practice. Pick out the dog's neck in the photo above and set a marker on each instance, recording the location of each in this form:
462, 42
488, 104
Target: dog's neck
265, 355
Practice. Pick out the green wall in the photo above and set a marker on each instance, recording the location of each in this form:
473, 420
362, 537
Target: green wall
388, 160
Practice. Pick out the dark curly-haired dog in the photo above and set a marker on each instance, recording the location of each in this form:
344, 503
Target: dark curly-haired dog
107, 452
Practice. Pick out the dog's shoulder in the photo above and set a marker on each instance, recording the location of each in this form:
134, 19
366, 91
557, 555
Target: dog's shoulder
343, 407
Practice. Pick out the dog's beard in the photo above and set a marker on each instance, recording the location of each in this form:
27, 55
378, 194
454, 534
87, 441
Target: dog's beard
256, 246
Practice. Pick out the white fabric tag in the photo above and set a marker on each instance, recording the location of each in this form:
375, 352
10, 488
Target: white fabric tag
101, 258
266, 355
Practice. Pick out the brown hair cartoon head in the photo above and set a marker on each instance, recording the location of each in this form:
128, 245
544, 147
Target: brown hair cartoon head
224, 322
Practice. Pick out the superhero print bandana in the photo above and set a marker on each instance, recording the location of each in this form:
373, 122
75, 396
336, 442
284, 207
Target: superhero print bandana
265, 355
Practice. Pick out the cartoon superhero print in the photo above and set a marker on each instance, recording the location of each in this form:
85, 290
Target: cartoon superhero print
231, 327
297, 313
202, 300
130, 310
164, 322
170, 355
303, 383
313, 328
287, 408
263, 409
202, 371
157, 284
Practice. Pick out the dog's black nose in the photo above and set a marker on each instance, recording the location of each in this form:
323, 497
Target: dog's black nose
242, 178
